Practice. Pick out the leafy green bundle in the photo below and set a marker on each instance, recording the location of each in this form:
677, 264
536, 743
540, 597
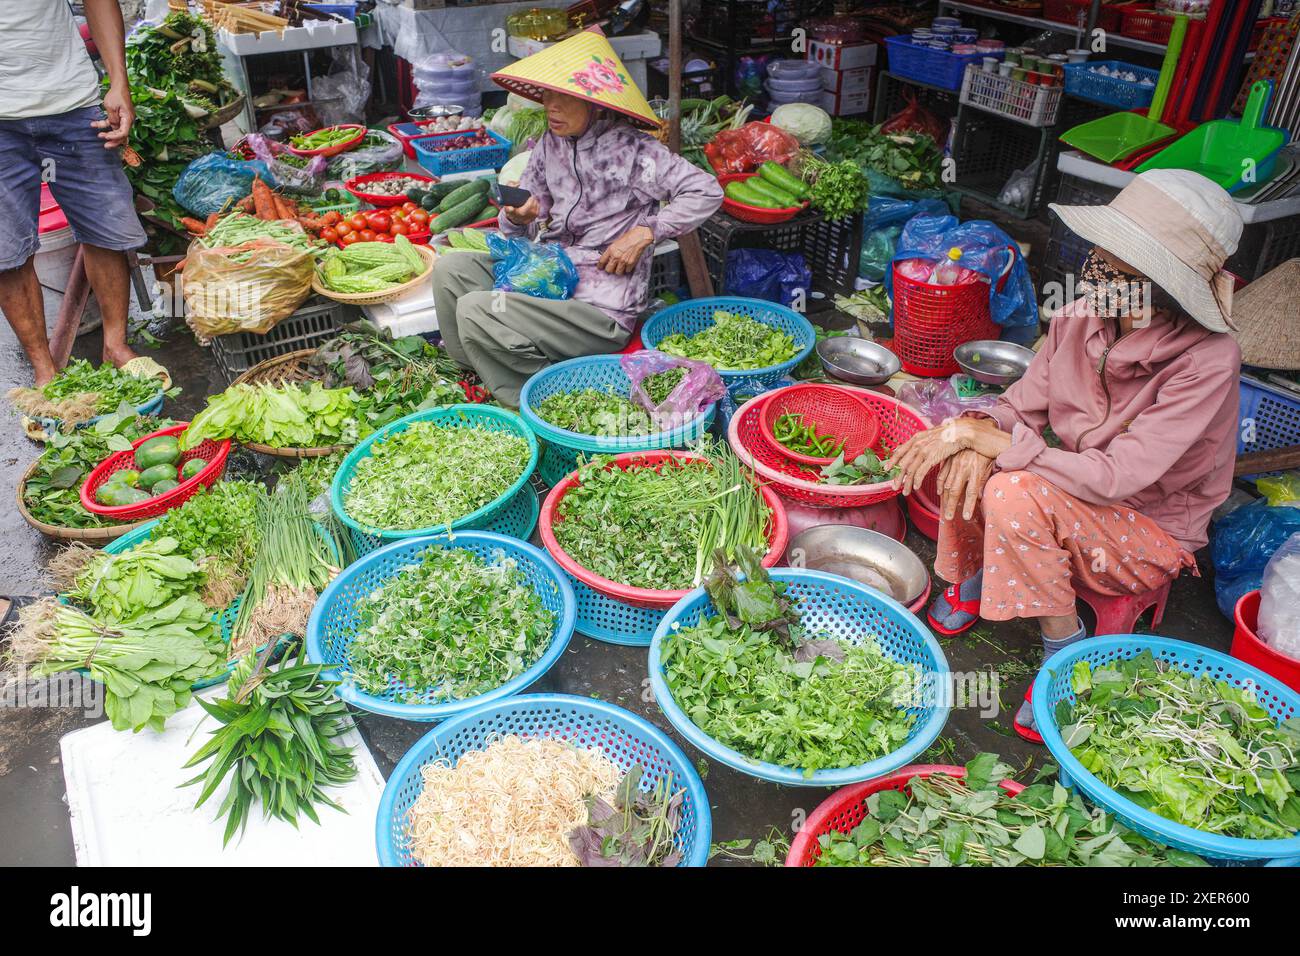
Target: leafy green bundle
116, 587
734, 342
838, 189
291, 415
1192, 749
591, 411
948, 821
635, 828
661, 384
217, 528
450, 627
911, 159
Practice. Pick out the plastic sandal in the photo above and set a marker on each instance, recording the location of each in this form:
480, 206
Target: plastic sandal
1028, 733
969, 606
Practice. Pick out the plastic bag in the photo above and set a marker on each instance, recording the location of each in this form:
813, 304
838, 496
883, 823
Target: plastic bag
985, 249
1019, 190
1279, 600
768, 274
881, 227
744, 150
1283, 489
285, 174
1241, 545
540, 269
939, 400
289, 123
224, 296
379, 152
915, 118
449, 78
699, 388
212, 181
341, 95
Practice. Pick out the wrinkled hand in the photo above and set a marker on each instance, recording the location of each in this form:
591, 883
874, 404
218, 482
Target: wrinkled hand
983, 435
961, 483
621, 256
121, 114
919, 454
525, 214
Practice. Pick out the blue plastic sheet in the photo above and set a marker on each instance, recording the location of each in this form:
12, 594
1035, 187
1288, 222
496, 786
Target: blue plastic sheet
881, 227
1242, 542
212, 181
985, 250
540, 269
768, 274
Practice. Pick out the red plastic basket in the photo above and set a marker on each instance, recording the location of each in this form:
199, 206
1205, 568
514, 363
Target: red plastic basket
778, 533
1068, 11
923, 506
759, 214
356, 186
831, 410
337, 148
1145, 23
931, 320
213, 452
847, 807
1246, 645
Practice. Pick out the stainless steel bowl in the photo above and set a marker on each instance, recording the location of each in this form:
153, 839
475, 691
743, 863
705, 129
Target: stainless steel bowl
869, 557
435, 112
993, 362
856, 360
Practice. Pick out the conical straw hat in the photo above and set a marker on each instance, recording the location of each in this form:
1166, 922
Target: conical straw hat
584, 66
1267, 315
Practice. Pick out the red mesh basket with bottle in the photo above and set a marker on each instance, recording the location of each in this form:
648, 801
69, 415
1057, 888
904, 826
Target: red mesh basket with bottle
931, 320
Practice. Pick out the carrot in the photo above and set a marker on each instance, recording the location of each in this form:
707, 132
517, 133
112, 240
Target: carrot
194, 227
263, 200
245, 204
212, 221
281, 210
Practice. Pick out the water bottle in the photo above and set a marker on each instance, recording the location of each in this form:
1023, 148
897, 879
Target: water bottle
949, 270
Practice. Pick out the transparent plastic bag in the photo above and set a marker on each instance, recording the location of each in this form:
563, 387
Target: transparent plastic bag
1279, 602
1241, 545
285, 174
699, 387
540, 269
224, 296
938, 399
212, 181
1283, 489
915, 118
379, 152
341, 95
287, 123
744, 150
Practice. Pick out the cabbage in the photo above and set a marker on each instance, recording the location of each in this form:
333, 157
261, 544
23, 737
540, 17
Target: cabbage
807, 123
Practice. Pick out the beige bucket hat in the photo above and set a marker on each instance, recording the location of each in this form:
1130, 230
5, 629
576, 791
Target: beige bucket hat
1175, 227
1265, 314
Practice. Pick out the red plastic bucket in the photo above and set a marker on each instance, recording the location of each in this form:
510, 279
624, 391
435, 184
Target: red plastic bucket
1246, 645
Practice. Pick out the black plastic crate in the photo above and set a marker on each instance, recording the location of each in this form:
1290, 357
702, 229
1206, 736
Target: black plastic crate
832, 248
721, 233
988, 149
894, 92
317, 321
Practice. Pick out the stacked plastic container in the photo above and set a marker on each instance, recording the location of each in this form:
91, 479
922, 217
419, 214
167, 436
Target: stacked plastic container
447, 79
793, 81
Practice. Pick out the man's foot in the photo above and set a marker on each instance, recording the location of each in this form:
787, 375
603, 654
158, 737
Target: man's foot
957, 608
43, 378
118, 355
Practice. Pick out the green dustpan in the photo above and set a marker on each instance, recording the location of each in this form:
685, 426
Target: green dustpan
1122, 134
1219, 150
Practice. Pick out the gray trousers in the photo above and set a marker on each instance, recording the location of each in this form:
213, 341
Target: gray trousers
506, 336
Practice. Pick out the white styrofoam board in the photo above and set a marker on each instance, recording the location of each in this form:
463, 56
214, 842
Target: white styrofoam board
312, 35
127, 807
634, 46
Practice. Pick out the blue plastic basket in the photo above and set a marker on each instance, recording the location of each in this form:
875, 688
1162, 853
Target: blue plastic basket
695, 315
926, 65
845, 610
741, 390
604, 373
1052, 685
151, 407
460, 160
1270, 416
604, 619
516, 520
1083, 82
623, 737
333, 621
447, 416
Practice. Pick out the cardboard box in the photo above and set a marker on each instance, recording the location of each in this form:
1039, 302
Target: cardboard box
847, 81
847, 104
839, 57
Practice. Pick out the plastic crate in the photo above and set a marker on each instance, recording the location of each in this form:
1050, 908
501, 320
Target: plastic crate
459, 160
1145, 23
926, 65
832, 248
894, 93
1023, 102
1070, 11
665, 269
988, 149
1269, 415
1082, 80
313, 324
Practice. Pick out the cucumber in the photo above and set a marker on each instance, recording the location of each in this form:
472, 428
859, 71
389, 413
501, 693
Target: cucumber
488, 211
438, 190
461, 194
774, 193
739, 192
457, 215
780, 177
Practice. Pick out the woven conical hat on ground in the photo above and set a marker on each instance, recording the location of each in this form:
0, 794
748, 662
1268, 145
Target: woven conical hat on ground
584, 66
1267, 315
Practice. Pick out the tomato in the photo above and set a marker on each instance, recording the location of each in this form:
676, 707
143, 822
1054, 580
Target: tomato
378, 221
365, 235
329, 235
410, 206
399, 228
357, 221
344, 228
419, 218
383, 237
350, 238
331, 217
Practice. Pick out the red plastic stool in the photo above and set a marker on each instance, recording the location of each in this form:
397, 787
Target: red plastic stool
1118, 615
633, 343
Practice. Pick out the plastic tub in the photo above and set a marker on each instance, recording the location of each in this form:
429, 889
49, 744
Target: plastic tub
1247, 645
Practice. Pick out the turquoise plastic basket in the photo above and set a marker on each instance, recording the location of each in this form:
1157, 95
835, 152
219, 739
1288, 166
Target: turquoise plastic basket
151, 407
623, 737
333, 621
516, 520
845, 610
604, 373
695, 315
447, 416
1052, 685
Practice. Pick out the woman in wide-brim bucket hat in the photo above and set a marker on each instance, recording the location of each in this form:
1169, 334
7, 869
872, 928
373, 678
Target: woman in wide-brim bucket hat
601, 188
1137, 381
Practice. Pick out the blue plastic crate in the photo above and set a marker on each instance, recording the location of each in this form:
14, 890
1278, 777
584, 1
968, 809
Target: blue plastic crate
332, 625
623, 737
1083, 82
460, 160
926, 65
1269, 417
1052, 686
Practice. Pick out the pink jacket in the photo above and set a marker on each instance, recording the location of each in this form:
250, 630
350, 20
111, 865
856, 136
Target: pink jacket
1148, 420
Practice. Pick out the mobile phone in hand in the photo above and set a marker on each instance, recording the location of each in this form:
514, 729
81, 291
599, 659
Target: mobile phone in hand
510, 195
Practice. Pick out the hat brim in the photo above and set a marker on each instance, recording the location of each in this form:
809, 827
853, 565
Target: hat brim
1120, 236
532, 90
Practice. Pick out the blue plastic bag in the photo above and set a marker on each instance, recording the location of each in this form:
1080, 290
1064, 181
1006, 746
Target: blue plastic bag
540, 269
881, 226
985, 249
212, 181
768, 274
1242, 542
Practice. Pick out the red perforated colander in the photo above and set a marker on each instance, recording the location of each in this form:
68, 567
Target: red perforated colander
829, 409
214, 453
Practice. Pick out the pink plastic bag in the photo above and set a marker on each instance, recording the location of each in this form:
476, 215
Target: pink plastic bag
937, 399
920, 270
699, 388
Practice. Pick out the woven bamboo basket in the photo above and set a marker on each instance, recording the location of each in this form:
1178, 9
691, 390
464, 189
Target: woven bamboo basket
88, 535
290, 368
224, 114
387, 295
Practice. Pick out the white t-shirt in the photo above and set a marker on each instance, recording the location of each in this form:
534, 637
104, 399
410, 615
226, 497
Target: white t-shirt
44, 67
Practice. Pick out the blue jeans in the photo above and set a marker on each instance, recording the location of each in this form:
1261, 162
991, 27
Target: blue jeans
86, 180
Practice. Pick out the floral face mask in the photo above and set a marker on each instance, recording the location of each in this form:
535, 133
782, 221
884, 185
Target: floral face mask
1111, 292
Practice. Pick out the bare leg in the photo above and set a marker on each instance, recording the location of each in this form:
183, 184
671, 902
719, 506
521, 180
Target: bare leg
1057, 626
21, 302
110, 277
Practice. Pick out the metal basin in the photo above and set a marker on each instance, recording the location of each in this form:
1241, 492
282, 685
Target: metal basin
993, 362
856, 360
869, 557
435, 112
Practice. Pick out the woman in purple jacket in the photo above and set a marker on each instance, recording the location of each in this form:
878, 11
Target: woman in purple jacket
600, 187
